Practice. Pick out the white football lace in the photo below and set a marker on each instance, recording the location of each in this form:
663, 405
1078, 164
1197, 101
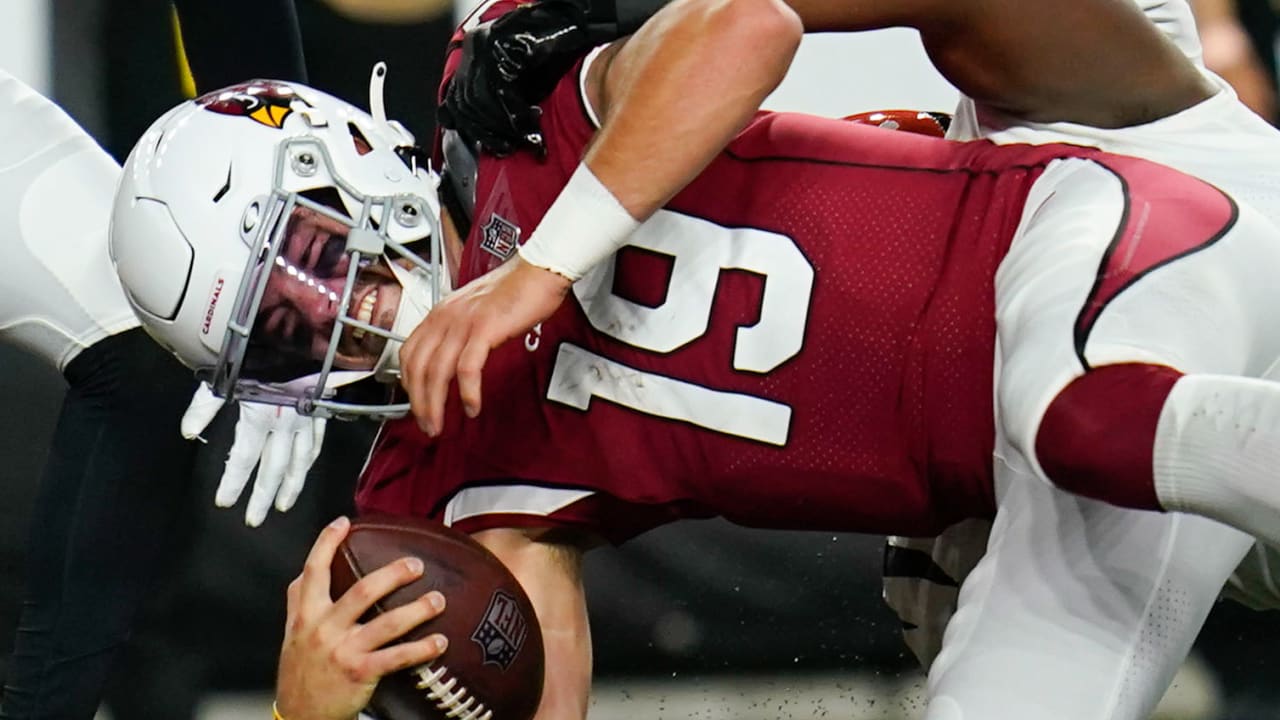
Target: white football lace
440, 688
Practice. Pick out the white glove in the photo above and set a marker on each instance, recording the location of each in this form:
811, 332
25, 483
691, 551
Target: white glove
286, 442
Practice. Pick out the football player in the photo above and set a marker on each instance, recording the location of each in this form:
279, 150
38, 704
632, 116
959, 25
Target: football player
323, 274
1217, 139
118, 468
1173, 113
1056, 78
686, 375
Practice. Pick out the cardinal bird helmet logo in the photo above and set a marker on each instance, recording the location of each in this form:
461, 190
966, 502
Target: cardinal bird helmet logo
264, 101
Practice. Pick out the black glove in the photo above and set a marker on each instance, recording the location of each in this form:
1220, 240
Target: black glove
508, 66
484, 108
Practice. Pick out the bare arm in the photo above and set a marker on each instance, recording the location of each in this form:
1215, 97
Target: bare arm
1092, 62
551, 574
691, 77
680, 89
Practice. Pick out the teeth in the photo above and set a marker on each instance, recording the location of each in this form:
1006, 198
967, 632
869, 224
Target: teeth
365, 315
365, 312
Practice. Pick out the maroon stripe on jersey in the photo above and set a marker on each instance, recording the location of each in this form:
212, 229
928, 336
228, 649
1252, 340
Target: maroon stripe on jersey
524, 521
599, 516
1036, 165
1167, 215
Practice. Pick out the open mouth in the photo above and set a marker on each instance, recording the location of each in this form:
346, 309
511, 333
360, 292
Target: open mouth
364, 313
375, 302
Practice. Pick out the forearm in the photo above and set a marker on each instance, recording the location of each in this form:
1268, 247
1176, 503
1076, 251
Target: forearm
670, 98
1032, 60
681, 88
1058, 63
223, 49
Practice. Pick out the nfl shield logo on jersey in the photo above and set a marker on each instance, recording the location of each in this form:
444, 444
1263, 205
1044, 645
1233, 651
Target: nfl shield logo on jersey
501, 237
501, 633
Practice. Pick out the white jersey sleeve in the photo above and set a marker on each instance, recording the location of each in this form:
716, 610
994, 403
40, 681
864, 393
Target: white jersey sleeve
922, 578
58, 291
1218, 140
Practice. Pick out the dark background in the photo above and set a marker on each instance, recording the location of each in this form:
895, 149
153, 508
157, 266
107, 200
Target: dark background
698, 597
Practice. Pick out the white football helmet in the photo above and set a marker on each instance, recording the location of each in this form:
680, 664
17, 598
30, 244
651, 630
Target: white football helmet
260, 234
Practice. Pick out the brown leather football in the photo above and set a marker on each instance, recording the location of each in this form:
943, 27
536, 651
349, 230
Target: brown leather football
492, 669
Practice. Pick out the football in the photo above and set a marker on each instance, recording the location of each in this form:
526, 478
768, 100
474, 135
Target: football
492, 669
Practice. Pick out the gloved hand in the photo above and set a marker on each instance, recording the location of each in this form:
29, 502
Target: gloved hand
509, 65
286, 442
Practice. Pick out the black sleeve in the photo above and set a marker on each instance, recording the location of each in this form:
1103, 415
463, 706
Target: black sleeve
230, 41
633, 13
103, 524
612, 19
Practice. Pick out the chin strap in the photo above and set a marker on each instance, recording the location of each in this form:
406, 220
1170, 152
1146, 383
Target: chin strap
415, 303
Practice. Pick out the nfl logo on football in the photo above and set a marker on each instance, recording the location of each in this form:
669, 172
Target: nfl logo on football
501, 237
501, 633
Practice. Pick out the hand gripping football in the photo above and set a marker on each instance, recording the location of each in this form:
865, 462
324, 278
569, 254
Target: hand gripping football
492, 669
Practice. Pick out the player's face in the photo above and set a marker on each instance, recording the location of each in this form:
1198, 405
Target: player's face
301, 301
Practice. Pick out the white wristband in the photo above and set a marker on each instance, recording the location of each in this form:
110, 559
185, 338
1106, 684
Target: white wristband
584, 225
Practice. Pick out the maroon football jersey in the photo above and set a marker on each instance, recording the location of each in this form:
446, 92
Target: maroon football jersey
803, 338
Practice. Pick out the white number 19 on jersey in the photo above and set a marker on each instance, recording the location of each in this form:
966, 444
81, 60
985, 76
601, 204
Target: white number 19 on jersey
701, 250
